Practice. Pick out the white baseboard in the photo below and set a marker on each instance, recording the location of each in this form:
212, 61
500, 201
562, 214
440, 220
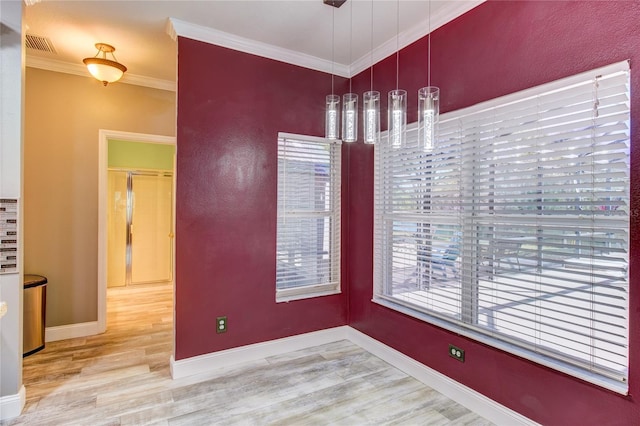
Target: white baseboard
62, 332
11, 406
463, 395
230, 357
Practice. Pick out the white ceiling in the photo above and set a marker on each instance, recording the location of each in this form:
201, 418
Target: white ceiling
138, 30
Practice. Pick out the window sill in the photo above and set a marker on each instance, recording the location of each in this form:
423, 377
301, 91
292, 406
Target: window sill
307, 292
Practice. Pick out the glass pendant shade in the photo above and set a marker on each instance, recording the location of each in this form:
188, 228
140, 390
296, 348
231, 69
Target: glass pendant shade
371, 116
349, 117
397, 118
428, 116
104, 70
332, 116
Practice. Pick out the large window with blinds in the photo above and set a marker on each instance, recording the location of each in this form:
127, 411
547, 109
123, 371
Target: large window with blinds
514, 229
308, 228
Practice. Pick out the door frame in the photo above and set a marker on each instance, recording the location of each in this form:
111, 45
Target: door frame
103, 163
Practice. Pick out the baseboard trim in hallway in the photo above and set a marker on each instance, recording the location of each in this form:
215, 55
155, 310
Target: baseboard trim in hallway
463, 395
11, 406
71, 331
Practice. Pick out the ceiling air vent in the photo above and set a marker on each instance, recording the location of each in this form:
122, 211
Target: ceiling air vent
41, 44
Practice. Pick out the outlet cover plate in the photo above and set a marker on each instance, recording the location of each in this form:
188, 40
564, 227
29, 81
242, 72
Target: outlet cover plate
456, 352
221, 325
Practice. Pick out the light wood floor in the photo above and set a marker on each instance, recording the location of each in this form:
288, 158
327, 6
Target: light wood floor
122, 378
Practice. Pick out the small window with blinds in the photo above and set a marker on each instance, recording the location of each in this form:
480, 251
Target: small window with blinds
308, 229
514, 229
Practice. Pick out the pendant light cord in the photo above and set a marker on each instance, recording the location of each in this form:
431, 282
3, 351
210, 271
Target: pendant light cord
397, 44
429, 47
333, 24
371, 50
350, 41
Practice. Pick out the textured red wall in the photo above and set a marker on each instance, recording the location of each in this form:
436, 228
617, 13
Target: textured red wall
498, 48
231, 106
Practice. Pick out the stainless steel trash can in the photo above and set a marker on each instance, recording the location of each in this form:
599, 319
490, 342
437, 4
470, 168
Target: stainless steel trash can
34, 308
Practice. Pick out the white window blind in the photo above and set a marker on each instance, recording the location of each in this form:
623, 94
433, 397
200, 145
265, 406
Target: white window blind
514, 230
308, 229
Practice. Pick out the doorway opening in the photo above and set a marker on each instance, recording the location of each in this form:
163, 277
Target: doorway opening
136, 212
139, 200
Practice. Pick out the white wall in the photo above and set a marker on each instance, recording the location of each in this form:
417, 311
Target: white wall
11, 125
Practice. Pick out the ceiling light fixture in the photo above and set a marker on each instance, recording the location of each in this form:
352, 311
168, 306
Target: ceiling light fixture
332, 107
371, 104
397, 107
350, 100
428, 105
103, 69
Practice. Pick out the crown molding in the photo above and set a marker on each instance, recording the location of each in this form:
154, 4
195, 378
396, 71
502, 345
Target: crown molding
176, 27
445, 14
81, 70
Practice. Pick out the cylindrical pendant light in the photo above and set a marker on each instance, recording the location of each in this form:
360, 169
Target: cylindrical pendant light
397, 106
332, 103
371, 112
428, 116
428, 106
371, 104
350, 100
349, 117
397, 118
332, 114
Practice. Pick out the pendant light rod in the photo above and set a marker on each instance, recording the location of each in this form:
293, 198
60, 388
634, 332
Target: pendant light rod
429, 47
350, 40
371, 47
397, 44
333, 45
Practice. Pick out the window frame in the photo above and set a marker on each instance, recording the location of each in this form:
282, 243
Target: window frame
330, 266
384, 247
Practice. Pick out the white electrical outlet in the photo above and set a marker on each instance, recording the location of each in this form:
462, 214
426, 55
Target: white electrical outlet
3, 308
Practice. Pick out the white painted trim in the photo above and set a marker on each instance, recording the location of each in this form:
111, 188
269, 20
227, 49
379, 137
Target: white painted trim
230, 357
81, 70
103, 141
11, 405
176, 27
463, 395
443, 16
71, 331
475, 401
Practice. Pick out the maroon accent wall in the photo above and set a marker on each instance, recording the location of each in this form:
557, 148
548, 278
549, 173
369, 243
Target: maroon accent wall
231, 106
498, 48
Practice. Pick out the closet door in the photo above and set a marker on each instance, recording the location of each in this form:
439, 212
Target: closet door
116, 228
151, 229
